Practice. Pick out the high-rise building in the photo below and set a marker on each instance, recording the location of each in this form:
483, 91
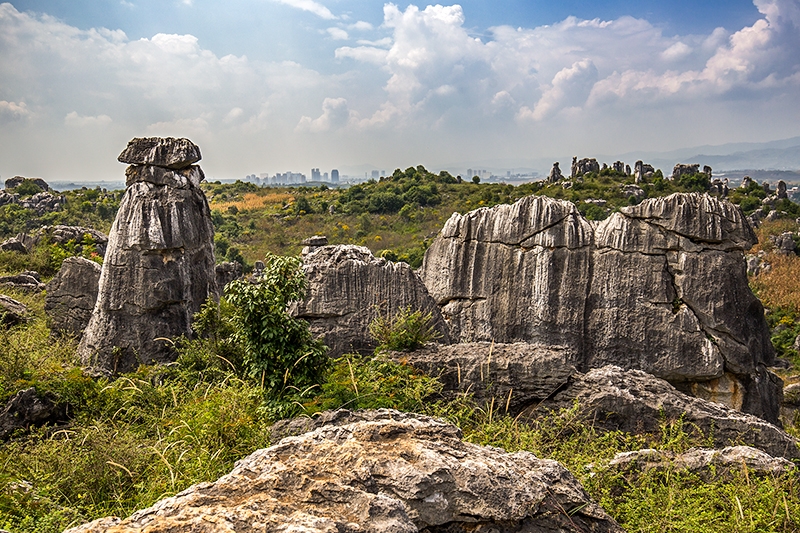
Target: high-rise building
315, 175
334, 176
375, 174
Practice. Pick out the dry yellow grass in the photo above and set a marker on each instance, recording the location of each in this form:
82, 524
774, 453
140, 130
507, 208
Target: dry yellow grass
254, 200
780, 287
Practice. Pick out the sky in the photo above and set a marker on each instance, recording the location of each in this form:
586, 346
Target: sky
266, 86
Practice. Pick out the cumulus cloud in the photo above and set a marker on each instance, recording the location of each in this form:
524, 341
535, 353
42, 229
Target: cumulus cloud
338, 34
311, 6
75, 120
570, 88
335, 115
361, 26
13, 111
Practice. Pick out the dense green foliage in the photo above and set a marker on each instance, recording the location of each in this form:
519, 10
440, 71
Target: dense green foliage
278, 349
407, 330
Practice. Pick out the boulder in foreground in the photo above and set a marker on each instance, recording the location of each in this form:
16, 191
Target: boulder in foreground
388, 472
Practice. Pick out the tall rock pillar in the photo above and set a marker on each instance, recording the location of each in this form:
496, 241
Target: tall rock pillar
159, 266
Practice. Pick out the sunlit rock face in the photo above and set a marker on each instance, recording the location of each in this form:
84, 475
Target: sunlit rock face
159, 266
661, 287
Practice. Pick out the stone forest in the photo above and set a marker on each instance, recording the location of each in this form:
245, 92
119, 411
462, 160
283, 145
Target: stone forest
584, 354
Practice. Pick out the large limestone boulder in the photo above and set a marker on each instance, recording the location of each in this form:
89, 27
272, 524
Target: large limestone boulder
12, 312
660, 287
513, 273
71, 296
510, 377
636, 402
389, 471
669, 295
348, 288
159, 266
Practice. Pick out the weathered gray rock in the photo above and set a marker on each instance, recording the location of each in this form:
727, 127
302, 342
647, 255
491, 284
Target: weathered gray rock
63, 235
619, 166
348, 288
513, 273
660, 286
708, 464
183, 178
747, 181
684, 170
12, 312
633, 190
161, 152
227, 272
43, 202
636, 402
71, 296
642, 171
555, 174
584, 166
781, 190
16, 181
391, 472
158, 269
312, 243
28, 409
22, 282
13, 245
508, 376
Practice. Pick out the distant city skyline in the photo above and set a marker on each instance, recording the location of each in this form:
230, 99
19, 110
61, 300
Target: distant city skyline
359, 86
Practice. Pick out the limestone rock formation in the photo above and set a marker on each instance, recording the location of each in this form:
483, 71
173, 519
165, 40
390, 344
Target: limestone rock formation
636, 402
512, 376
63, 235
71, 296
16, 181
391, 472
28, 408
555, 174
513, 273
159, 266
227, 272
12, 312
27, 281
683, 170
707, 463
13, 245
348, 287
660, 287
584, 166
642, 171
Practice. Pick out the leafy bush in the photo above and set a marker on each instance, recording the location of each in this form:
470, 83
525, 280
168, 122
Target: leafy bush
405, 331
279, 350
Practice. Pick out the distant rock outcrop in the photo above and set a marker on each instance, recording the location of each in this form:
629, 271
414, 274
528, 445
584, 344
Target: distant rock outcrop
584, 166
348, 288
159, 266
63, 235
660, 287
378, 471
71, 296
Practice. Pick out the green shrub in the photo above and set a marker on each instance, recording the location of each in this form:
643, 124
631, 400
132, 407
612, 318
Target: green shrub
279, 350
405, 331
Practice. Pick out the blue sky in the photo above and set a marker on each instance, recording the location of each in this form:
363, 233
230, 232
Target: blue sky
276, 85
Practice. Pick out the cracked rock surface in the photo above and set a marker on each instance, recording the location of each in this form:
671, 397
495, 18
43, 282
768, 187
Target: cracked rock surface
380, 471
661, 287
71, 296
348, 287
159, 265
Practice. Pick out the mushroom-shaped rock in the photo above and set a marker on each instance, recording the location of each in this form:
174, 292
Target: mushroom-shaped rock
158, 269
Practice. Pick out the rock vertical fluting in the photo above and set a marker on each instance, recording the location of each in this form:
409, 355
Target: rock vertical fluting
71, 296
348, 288
513, 273
159, 266
659, 287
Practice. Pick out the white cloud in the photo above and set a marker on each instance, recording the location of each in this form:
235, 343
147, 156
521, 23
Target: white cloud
570, 88
676, 52
73, 119
338, 34
361, 26
311, 6
13, 111
335, 115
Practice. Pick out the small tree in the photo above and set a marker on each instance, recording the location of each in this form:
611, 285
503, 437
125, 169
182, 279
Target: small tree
280, 351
